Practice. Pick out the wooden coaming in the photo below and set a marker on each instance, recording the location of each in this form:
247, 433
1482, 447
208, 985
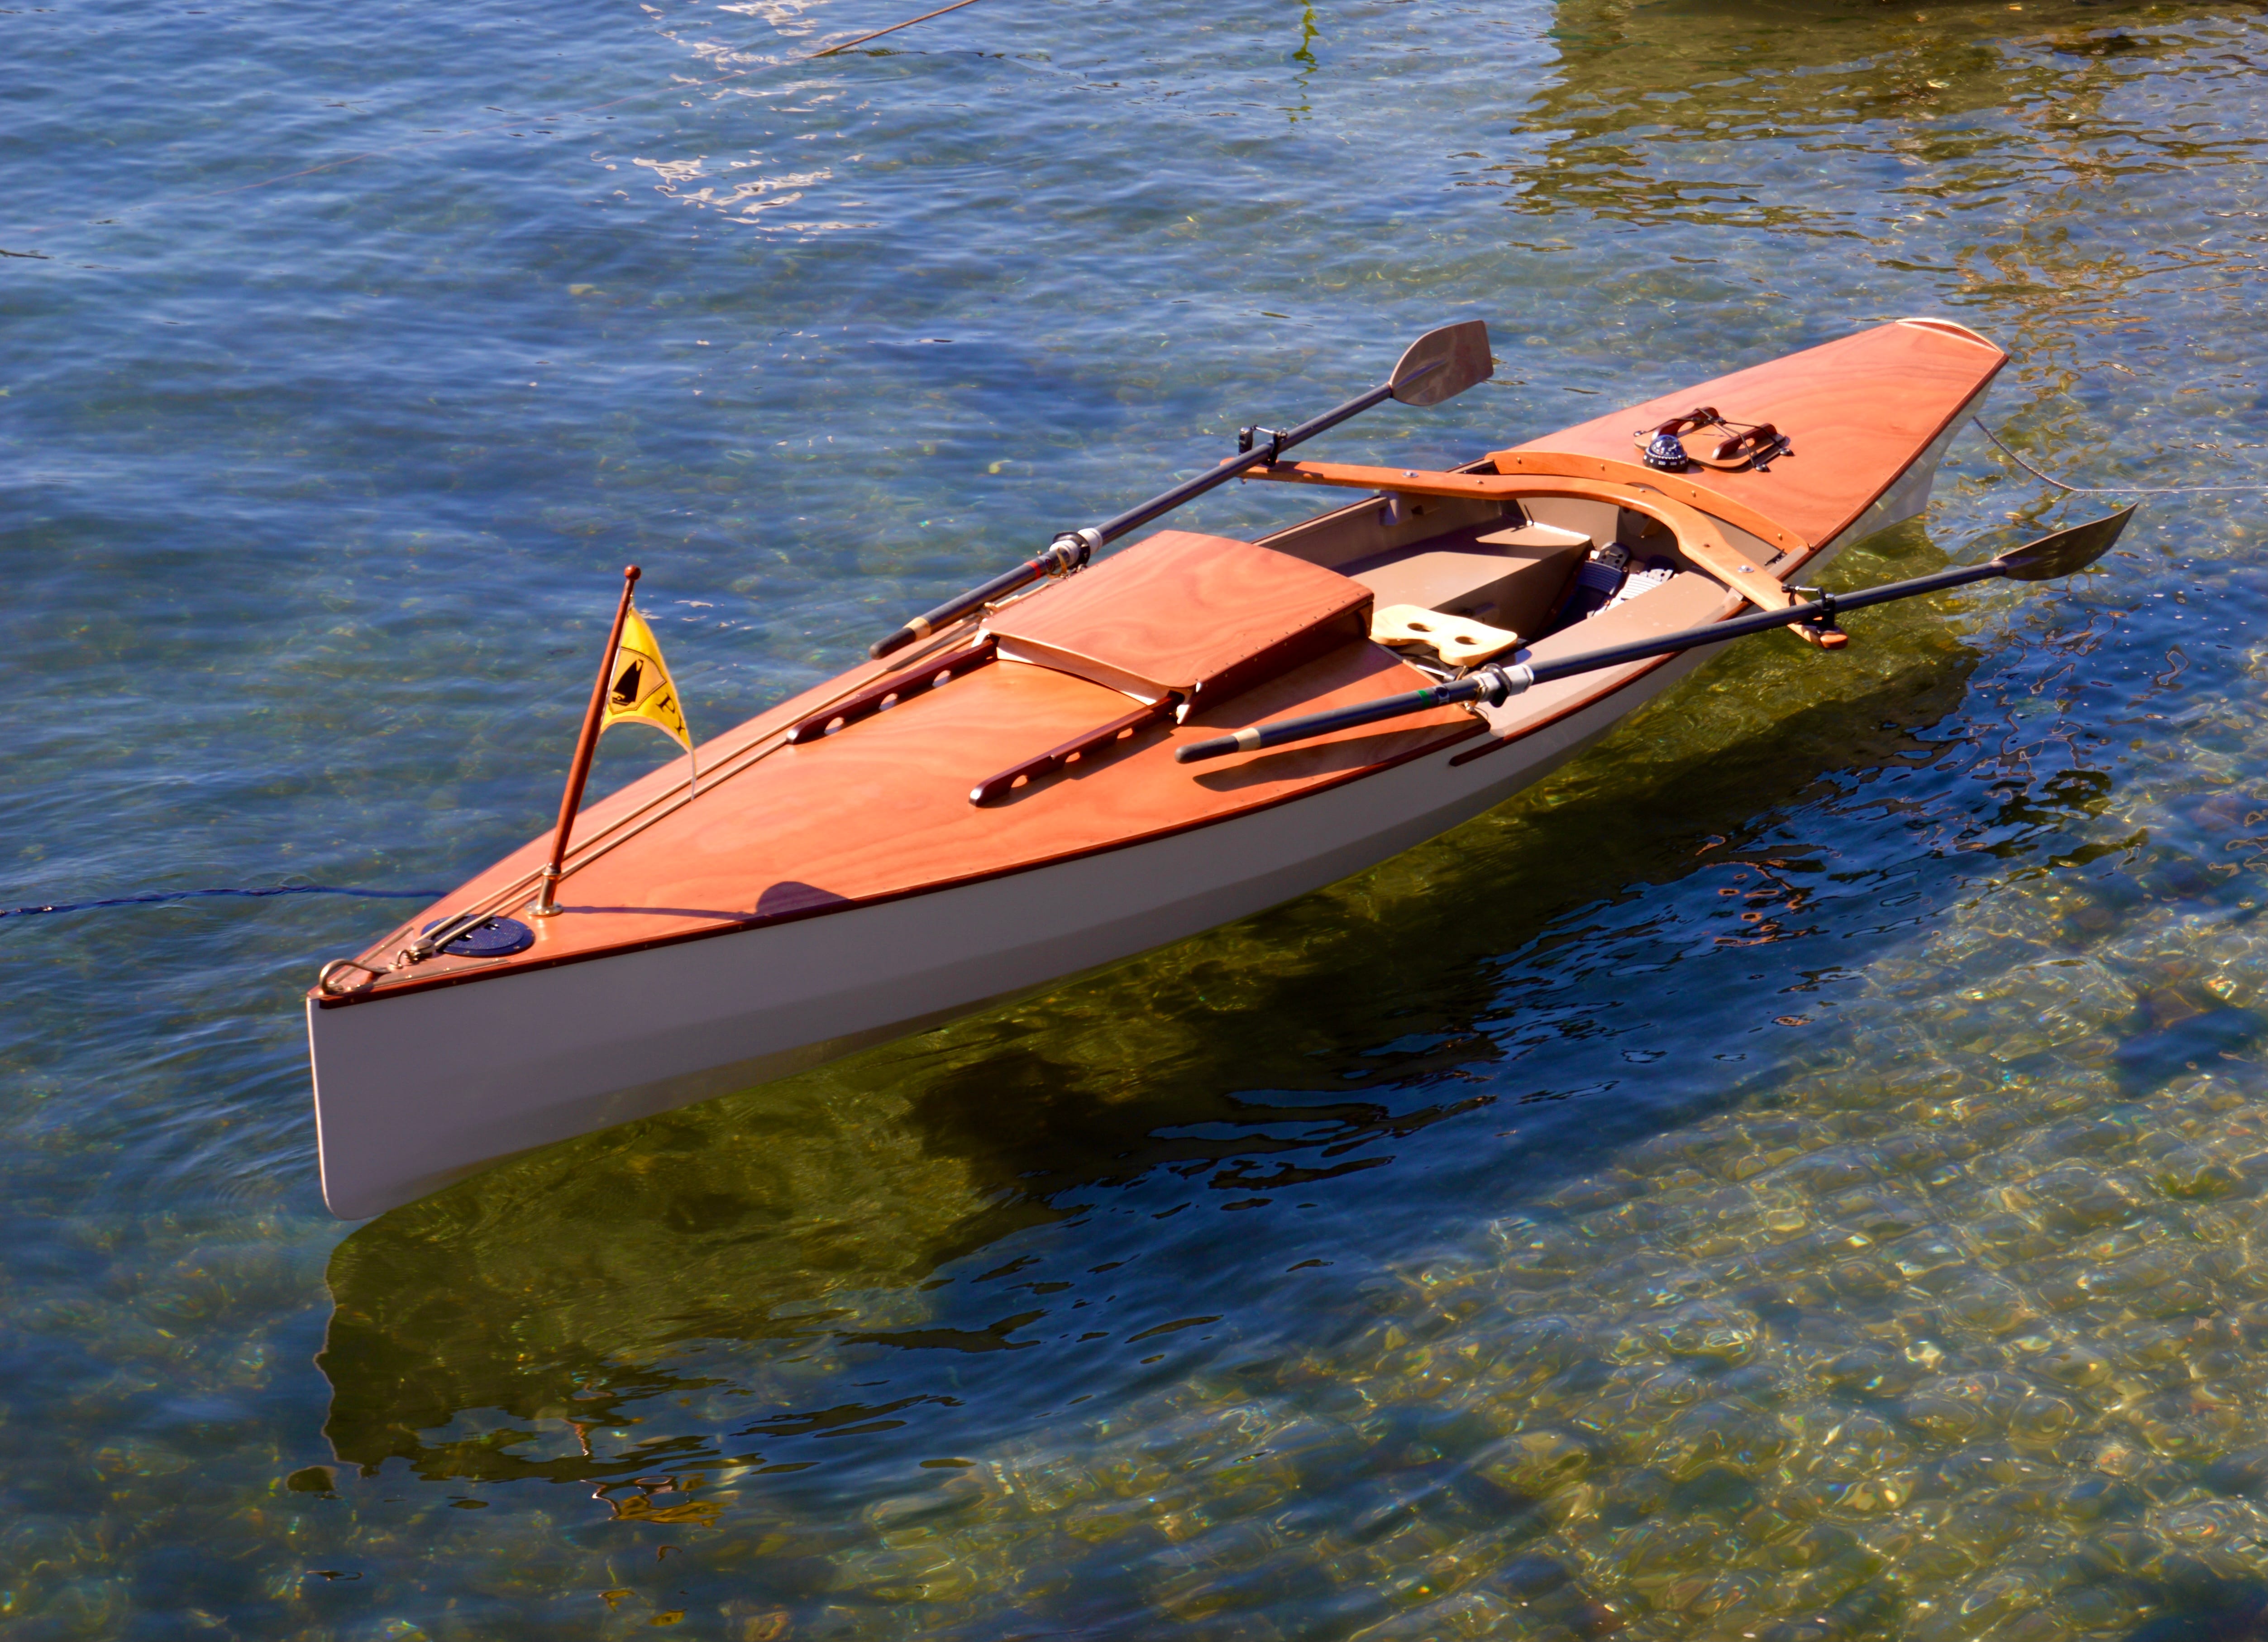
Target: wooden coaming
1517, 479
1698, 536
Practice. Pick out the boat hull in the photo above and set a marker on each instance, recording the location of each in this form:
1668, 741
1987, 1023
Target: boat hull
439, 1085
421, 1082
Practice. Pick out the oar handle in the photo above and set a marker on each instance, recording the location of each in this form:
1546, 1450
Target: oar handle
1068, 553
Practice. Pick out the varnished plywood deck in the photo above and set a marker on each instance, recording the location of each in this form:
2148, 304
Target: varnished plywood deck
881, 808
1858, 410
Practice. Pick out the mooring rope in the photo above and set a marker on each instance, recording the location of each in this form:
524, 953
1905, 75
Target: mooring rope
2124, 490
192, 895
892, 29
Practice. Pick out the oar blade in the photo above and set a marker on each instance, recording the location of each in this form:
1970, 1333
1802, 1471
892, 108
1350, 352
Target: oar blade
2064, 553
1443, 364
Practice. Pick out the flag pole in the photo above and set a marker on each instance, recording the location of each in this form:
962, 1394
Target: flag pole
579, 771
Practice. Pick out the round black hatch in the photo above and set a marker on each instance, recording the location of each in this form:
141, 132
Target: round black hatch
491, 938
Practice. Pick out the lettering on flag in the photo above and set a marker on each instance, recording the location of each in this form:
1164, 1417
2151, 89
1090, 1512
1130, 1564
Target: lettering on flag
642, 691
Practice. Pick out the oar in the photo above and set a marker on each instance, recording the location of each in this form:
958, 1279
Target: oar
2062, 553
1441, 364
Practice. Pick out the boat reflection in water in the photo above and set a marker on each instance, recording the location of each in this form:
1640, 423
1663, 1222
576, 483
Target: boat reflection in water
1948, 1328
749, 1254
562, 1293
1963, 144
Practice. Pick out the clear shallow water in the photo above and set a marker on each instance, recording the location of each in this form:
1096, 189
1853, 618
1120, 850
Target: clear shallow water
1798, 1169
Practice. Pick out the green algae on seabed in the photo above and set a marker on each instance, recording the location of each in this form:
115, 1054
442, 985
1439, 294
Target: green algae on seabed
1954, 1324
1909, 1338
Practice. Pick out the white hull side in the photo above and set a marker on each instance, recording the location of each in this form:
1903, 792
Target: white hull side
1908, 497
416, 1091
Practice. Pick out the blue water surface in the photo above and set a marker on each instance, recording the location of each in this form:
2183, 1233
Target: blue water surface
1793, 1174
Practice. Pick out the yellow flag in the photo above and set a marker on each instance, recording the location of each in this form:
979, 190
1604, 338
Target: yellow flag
643, 692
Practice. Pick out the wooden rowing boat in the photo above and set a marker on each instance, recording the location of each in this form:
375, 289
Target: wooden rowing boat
1000, 805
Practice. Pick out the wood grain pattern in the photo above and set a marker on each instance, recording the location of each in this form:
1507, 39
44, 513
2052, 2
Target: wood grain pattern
611, 822
1200, 616
855, 816
880, 809
1856, 410
899, 688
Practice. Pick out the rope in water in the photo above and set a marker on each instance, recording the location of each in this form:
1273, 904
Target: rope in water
430, 895
2124, 490
892, 29
192, 895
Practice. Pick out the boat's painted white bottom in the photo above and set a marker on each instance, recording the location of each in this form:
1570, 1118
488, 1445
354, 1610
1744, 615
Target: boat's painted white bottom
414, 1092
